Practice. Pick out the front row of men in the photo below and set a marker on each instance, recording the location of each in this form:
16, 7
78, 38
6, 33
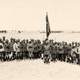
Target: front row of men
47, 50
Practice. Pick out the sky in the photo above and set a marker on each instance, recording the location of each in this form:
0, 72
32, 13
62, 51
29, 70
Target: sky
30, 15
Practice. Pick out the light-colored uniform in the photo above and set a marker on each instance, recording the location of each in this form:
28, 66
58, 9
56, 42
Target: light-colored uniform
16, 47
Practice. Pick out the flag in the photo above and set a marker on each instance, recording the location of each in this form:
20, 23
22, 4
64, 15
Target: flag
48, 31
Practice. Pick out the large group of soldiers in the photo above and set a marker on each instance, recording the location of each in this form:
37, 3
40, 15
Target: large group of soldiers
47, 50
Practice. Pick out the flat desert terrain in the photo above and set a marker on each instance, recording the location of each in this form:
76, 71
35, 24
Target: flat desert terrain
37, 70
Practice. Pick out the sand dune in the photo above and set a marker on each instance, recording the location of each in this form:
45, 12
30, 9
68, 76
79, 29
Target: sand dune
37, 70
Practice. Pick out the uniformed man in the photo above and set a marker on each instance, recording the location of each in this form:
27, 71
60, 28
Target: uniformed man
7, 50
2, 52
30, 48
12, 41
23, 50
47, 54
16, 48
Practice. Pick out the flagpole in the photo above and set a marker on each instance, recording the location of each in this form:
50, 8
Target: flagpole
48, 31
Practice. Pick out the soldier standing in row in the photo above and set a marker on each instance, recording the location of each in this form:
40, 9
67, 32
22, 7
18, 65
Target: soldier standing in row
2, 52
47, 53
30, 48
16, 48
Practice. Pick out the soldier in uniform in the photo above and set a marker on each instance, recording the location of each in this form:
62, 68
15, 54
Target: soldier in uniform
16, 48
56, 51
2, 52
37, 49
12, 41
30, 49
47, 54
65, 47
74, 55
23, 50
52, 51
78, 54
7, 50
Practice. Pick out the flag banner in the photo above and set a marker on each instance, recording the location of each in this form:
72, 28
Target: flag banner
48, 31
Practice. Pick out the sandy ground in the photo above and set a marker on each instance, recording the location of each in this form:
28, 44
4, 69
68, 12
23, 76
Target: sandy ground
37, 70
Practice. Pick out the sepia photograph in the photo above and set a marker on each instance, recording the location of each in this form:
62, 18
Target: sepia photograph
39, 39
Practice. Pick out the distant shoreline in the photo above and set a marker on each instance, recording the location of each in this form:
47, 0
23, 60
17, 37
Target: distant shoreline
21, 31
62, 32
